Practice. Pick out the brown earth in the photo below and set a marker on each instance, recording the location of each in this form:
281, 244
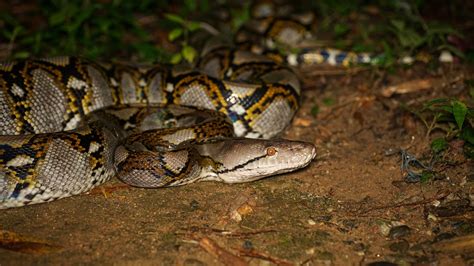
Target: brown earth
350, 206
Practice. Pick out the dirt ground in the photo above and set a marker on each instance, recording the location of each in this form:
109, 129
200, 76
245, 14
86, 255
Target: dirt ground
349, 206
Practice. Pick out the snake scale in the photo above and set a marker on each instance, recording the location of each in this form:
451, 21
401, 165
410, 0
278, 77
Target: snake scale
68, 124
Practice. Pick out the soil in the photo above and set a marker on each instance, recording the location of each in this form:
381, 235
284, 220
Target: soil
350, 206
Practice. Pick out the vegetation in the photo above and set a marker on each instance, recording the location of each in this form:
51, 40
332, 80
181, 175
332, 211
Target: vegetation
132, 29
89, 28
452, 117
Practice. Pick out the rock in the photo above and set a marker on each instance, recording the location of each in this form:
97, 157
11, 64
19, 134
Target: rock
444, 236
247, 244
453, 208
399, 231
446, 57
194, 205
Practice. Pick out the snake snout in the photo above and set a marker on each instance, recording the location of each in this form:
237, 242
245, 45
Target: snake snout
298, 154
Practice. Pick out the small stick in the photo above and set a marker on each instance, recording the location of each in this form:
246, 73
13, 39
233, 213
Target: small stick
224, 256
420, 202
228, 233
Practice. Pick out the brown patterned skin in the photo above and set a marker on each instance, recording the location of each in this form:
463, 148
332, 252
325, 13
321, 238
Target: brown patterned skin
69, 124
54, 145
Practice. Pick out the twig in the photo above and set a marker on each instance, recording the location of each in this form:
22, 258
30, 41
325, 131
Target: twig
224, 256
228, 233
209, 28
409, 86
398, 205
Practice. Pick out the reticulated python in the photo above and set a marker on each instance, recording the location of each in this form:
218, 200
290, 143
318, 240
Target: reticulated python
69, 124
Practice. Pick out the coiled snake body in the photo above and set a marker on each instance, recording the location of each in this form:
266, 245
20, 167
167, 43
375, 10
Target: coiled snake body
68, 124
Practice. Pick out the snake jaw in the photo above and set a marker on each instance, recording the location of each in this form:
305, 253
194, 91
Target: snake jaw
209, 169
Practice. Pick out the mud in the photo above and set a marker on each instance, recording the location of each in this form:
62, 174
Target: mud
350, 206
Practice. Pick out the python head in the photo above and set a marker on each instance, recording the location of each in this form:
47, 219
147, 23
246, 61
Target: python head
244, 160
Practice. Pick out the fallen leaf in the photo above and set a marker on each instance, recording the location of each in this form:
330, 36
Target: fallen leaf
409, 87
303, 122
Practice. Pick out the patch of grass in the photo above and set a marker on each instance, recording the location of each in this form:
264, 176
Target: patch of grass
182, 30
329, 101
88, 28
453, 118
108, 29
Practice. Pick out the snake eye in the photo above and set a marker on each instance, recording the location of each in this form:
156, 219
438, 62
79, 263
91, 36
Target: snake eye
271, 151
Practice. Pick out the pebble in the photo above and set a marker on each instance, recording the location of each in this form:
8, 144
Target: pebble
452, 208
194, 205
247, 244
443, 236
399, 231
446, 57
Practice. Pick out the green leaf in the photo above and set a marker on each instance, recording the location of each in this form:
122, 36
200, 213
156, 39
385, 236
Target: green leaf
193, 25
57, 18
83, 16
410, 38
436, 101
328, 101
175, 59
340, 29
426, 176
175, 33
175, 18
435, 28
240, 16
21, 55
398, 24
446, 108
438, 145
467, 134
459, 112
189, 53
